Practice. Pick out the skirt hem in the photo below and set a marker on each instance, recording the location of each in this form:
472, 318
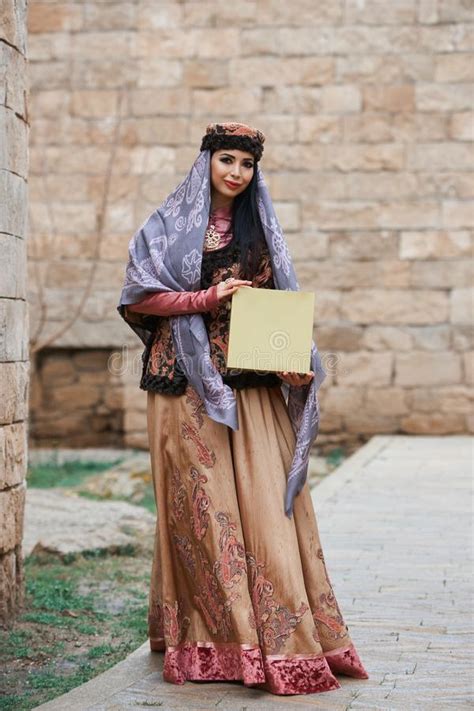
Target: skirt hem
278, 674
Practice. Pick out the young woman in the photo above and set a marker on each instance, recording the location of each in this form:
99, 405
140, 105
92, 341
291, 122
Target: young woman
239, 586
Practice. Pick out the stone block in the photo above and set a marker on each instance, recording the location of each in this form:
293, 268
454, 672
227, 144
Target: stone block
14, 389
439, 157
398, 98
273, 12
456, 399
13, 216
171, 100
110, 16
304, 246
319, 129
457, 214
305, 187
215, 43
13, 272
454, 67
394, 186
58, 17
13, 454
386, 338
205, 73
240, 12
11, 585
12, 502
13, 330
461, 126
57, 368
152, 15
285, 157
135, 421
364, 422
14, 28
275, 71
288, 215
75, 396
94, 103
462, 337
347, 158
13, 142
340, 400
91, 360
157, 72
425, 423
261, 41
291, 100
206, 100
442, 274
427, 368
49, 46
13, 80
395, 306
374, 12
364, 368
461, 306
428, 11
363, 245
455, 11
468, 367
120, 43
386, 401
430, 338
435, 245
168, 43
340, 337
445, 38
341, 99
443, 97
136, 440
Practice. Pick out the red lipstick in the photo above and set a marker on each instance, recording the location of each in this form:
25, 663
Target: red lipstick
231, 185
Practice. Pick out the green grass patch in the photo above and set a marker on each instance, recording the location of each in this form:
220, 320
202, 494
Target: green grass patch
73, 473
79, 619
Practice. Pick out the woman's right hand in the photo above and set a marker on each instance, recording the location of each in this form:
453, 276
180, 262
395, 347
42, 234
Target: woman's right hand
225, 290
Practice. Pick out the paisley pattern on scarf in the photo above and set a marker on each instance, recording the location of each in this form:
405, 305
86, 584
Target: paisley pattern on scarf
161, 371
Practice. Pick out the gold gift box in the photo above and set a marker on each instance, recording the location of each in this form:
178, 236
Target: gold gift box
271, 330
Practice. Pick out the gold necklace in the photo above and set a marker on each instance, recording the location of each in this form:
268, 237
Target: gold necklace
212, 238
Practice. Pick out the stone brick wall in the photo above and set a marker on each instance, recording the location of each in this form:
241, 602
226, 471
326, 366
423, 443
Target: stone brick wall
367, 107
75, 398
13, 305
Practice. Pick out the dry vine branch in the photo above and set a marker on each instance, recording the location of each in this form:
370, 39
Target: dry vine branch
35, 346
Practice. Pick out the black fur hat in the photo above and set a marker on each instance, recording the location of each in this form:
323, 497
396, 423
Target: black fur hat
233, 135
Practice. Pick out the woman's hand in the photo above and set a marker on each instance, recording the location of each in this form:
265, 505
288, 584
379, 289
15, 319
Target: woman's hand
228, 287
296, 379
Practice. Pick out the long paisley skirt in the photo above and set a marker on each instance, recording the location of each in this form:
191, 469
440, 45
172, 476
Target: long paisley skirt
238, 590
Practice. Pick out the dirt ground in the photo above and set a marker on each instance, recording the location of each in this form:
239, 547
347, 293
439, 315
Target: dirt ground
79, 619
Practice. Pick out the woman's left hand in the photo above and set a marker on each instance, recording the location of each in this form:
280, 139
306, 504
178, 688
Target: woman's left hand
296, 378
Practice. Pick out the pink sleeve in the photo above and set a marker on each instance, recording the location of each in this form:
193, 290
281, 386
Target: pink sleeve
173, 303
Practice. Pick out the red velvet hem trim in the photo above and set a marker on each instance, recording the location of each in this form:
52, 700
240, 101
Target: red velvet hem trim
278, 674
346, 661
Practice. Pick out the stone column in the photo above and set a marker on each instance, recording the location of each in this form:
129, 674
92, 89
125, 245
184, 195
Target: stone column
14, 364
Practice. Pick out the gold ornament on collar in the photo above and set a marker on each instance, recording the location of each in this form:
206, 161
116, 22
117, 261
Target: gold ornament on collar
212, 238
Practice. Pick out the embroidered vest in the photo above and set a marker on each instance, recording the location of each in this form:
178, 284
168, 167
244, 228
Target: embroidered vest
162, 373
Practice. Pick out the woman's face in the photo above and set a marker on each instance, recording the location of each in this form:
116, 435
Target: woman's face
231, 171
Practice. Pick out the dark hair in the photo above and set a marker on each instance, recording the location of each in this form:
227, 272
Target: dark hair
247, 227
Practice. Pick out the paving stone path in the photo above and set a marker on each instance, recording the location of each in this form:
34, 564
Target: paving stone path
396, 528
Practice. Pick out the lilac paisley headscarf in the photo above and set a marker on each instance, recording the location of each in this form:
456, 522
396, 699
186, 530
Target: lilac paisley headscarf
165, 254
